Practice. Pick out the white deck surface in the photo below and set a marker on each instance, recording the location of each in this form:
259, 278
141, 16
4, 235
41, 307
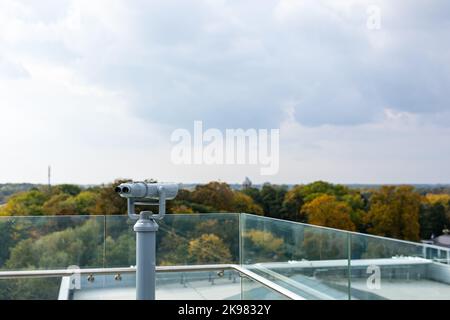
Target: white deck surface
407, 290
199, 290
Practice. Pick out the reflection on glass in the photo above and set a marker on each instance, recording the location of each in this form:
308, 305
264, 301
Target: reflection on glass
35, 243
309, 261
389, 269
252, 290
30, 289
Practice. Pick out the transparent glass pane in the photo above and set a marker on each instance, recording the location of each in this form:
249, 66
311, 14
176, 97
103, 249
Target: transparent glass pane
252, 290
30, 289
52, 242
193, 239
308, 260
438, 254
182, 239
120, 242
384, 268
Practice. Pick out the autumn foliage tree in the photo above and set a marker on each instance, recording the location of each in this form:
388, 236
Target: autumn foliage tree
28, 203
394, 213
434, 215
327, 211
209, 248
215, 194
109, 202
244, 203
300, 195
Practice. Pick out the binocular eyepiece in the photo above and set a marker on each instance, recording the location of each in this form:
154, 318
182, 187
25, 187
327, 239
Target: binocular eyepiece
120, 189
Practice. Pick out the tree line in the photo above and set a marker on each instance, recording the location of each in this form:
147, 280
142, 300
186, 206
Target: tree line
400, 212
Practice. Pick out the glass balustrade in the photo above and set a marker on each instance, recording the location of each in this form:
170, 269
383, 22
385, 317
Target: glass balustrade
262, 258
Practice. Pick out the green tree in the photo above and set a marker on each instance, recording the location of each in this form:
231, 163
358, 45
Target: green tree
323, 244
121, 252
271, 200
69, 189
215, 194
432, 219
173, 250
254, 193
59, 204
108, 202
80, 246
292, 205
8, 239
316, 189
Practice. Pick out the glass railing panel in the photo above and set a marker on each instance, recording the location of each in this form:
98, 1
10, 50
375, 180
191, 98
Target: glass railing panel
30, 289
307, 260
182, 239
120, 242
195, 239
51, 242
438, 254
252, 290
384, 268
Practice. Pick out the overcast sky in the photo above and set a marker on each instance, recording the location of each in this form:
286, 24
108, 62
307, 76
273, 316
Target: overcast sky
96, 87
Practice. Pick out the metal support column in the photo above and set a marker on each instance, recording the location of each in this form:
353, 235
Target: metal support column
145, 229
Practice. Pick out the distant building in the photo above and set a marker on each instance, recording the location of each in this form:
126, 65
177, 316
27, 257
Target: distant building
442, 240
247, 183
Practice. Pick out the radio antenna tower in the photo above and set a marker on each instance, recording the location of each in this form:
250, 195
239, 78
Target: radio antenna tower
49, 177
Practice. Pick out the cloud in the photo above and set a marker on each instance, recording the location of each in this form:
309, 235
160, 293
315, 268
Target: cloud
400, 148
114, 76
12, 70
228, 65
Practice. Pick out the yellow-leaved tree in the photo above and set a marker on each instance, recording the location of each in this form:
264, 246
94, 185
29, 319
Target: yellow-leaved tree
209, 248
327, 211
244, 203
394, 213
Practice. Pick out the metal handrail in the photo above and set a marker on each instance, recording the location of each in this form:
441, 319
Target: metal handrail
193, 268
105, 271
293, 283
271, 285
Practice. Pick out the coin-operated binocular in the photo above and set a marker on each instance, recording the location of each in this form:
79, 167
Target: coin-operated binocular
145, 194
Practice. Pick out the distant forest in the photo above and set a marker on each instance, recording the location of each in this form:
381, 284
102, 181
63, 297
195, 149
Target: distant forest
402, 212
9, 189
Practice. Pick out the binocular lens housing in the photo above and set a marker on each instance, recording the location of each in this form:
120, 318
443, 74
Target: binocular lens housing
141, 190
